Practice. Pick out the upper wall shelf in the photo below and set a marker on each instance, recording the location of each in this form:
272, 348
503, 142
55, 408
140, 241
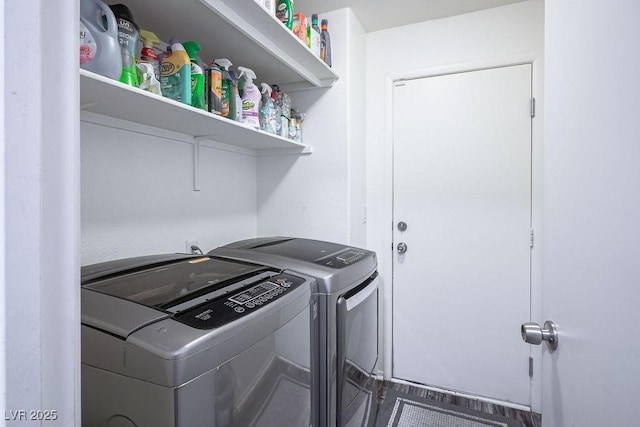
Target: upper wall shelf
110, 98
239, 30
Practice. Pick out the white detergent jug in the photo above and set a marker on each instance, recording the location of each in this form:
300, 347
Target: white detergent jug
99, 47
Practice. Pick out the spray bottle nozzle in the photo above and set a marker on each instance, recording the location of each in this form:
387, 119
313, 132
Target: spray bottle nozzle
223, 62
192, 49
248, 73
149, 39
265, 88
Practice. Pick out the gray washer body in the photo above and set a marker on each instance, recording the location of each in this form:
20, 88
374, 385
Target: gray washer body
143, 367
335, 279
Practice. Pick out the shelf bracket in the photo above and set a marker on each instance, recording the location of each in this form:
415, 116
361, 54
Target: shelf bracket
196, 162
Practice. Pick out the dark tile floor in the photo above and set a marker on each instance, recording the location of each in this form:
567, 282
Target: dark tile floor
529, 419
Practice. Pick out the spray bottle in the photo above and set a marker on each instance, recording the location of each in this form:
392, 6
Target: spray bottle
278, 113
147, 78
176, 74
213, 88
197, 75
236, 81
99, 47
250, 98
147, 54
228, 89
268, 114
128, 33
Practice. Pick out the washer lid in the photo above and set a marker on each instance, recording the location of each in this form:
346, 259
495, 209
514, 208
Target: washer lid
166, 284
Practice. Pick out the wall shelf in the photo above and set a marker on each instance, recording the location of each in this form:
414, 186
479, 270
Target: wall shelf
110, 98
241, 31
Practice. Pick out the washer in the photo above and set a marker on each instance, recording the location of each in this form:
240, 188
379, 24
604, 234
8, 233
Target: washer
180, 340
348, 318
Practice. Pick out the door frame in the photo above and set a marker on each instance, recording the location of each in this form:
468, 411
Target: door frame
537, 156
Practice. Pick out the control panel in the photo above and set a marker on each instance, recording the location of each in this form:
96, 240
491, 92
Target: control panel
342, 259
221, 311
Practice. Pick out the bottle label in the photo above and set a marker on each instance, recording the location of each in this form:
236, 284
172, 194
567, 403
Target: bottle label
214, 90
226, 94
282, 13
88, 45
172, 81
127, 34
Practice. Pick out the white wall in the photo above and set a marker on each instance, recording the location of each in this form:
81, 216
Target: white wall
321, 196
356, 128
592, 200
3, 285
499, 36
41, 181
138, 193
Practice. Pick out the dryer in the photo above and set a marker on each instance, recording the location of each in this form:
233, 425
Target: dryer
187, 341
348, 318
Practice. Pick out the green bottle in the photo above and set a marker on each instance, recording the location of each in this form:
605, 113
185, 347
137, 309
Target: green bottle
229, 89
197, 75
284, 12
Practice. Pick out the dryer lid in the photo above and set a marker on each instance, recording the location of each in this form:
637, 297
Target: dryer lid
319, 252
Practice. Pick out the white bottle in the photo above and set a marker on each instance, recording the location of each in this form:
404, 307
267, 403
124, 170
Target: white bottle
250, 98
270, 5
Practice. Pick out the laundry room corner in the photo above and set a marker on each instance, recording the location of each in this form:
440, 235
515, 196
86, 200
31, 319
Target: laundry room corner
138, 193
323, 195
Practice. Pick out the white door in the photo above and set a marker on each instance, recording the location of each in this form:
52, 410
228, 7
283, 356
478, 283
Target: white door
462, 184
591, 251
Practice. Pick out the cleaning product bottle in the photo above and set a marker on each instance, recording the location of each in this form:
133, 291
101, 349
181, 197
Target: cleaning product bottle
148, 55
197, 75
175, 73
314, 35
250, 98
284, 12
325, 43
277, 108
162, 55
268, 113
147, 78
128, 33
270, 5
213, 88
228, 90
236, 81
99, 47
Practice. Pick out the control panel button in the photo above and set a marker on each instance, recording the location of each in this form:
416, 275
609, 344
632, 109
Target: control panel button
217, 312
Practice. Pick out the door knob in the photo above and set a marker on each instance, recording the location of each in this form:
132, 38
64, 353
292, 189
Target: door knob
402, 226
532, 333
402, 247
